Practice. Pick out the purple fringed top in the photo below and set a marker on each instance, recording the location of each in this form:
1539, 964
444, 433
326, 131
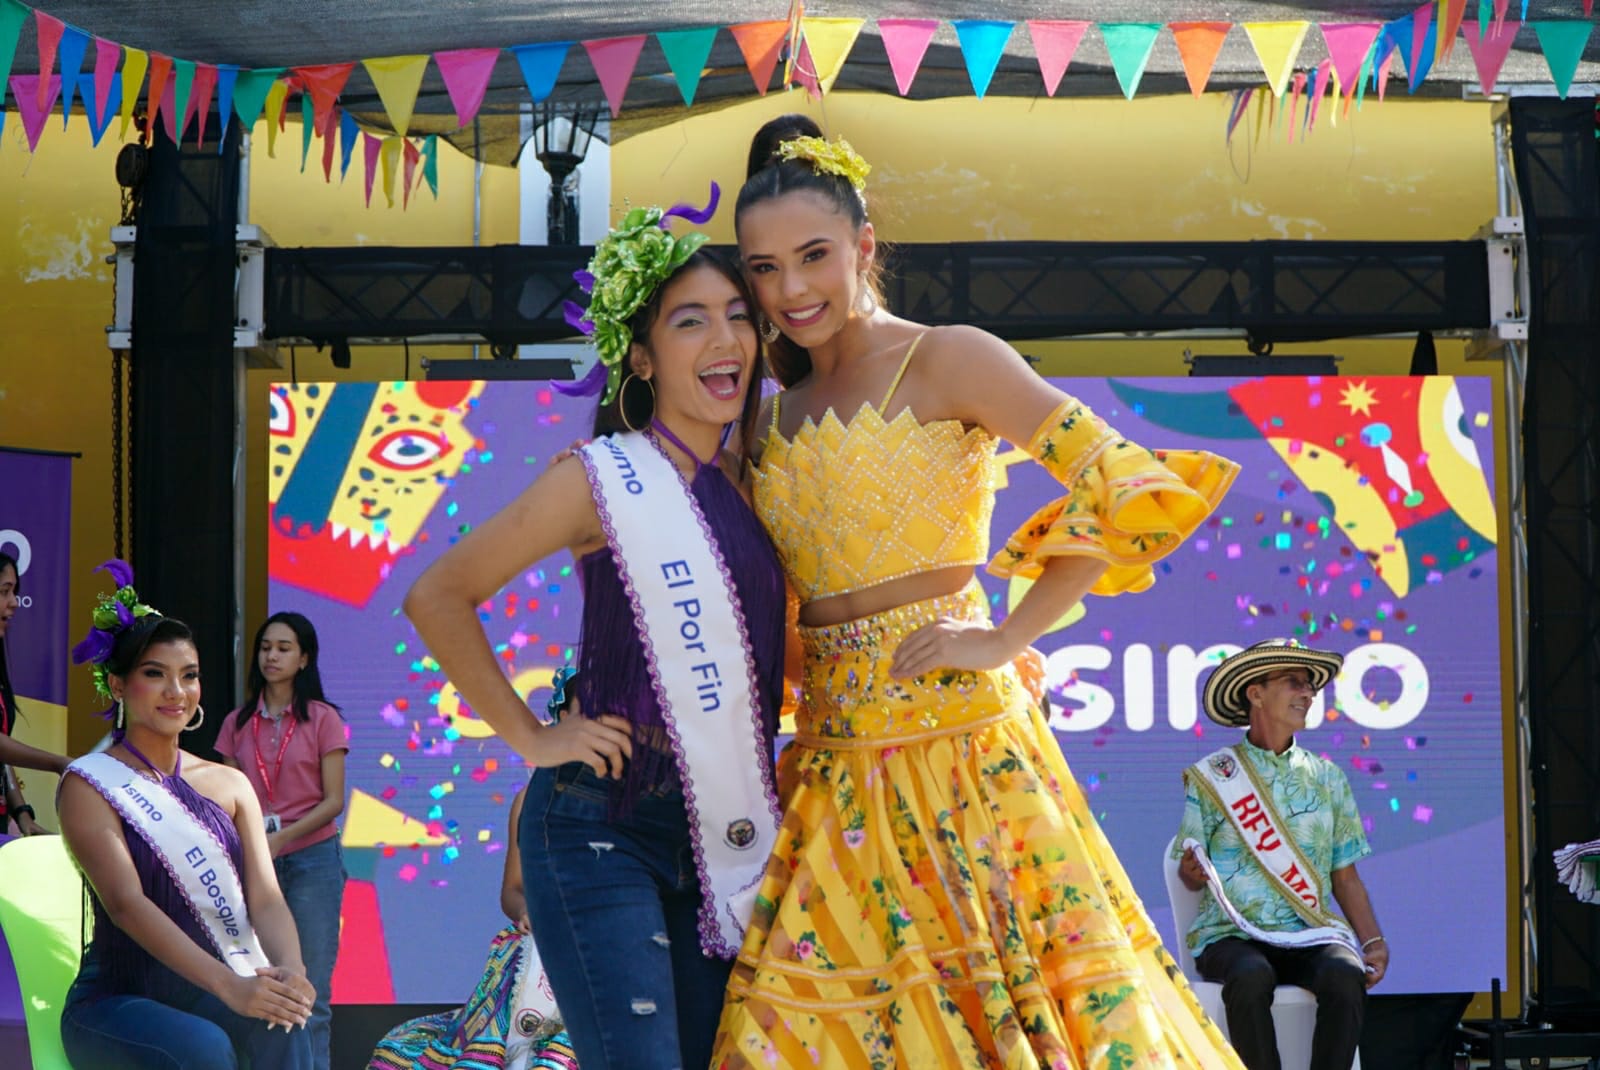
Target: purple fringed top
612, 674
114, 964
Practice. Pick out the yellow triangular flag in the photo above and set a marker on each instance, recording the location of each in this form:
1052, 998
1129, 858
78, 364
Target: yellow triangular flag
390, 158
397, 79
272, 110
134, 63
1277, 46
830, 41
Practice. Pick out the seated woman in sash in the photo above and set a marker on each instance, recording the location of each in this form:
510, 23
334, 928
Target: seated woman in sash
194, 959
652, 810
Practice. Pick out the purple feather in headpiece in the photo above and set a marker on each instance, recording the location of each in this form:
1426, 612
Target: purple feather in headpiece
698, 216
587, 387
121, 572
96, 647
585, 280
573, 313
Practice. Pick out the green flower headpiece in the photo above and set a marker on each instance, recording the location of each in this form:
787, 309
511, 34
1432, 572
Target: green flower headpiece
113, 614
629, 265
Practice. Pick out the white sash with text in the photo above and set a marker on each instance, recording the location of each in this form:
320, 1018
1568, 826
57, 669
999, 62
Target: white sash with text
196, 860
1251, 813
693, 629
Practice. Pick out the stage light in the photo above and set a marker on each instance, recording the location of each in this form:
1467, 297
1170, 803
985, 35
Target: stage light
1259, 362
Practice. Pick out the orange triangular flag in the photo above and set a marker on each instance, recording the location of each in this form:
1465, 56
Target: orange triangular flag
324, 83
160, 70
1451, 13
1198, 45
761, 43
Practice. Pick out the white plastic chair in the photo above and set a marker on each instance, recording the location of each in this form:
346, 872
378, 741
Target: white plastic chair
1294, 1010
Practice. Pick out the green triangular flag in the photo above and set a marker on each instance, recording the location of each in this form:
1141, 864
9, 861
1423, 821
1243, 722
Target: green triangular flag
182, 82
687, 52
1130, 45
1485, 16
430, 164
250, 91
1563, 44
12, 16
308, 123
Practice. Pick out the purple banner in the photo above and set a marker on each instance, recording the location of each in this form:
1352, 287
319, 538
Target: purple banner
36, 529
1364, 521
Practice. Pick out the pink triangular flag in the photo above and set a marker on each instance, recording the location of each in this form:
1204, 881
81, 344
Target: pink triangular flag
106, 55
1421, 27
370, 148
1348, 45
466, 74
24, 87
50, 29
205, 83
613, 59
805, 72
1055, 41
1384, 66
1500, 12
411, 158
1294, 100
169, 107
906, 41
328, 141
1490, 51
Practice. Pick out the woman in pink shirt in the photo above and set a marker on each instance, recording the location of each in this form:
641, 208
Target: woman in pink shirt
291, 744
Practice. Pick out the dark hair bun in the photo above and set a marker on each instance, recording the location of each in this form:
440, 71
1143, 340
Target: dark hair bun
764, 146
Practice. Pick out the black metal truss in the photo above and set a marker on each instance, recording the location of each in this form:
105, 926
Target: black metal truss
1558, 170
1272, 290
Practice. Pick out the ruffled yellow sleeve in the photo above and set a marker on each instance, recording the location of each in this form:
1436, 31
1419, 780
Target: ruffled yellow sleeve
1126, 505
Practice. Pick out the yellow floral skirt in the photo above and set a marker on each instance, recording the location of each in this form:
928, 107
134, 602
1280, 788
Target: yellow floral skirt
941, 895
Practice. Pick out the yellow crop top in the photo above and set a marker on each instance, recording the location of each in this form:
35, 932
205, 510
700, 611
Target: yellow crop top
850, 505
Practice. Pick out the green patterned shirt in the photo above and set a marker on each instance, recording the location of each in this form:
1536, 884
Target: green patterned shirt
1314, 799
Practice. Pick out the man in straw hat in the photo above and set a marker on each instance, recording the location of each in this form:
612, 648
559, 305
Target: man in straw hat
1271, 830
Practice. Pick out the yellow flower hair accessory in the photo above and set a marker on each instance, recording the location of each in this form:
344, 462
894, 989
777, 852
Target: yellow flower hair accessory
834, 157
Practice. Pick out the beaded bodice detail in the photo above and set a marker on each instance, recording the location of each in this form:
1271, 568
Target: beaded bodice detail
850, 505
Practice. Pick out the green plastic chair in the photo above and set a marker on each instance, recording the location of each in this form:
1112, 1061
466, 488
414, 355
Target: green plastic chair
41, 913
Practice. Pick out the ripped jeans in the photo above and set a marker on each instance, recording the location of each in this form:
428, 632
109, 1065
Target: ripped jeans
614, 909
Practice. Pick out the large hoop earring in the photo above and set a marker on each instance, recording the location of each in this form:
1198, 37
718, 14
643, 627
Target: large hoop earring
769, 331
867, 298
198, 721
622, 400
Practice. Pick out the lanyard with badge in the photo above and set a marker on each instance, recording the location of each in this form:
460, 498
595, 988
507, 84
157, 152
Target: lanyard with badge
272, 821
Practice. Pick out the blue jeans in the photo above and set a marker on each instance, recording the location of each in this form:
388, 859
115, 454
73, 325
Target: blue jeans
614, 908
197, 1031
312, 880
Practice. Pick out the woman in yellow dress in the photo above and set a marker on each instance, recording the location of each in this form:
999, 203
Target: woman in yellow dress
941, 895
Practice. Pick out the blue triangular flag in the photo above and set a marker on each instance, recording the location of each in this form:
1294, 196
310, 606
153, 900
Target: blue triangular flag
541, 66
1416, 77
983, 42
70, 51
227, 74
99, 112
1389, 40
349, 134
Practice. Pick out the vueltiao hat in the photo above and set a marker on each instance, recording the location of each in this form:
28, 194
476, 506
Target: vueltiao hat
1224, 697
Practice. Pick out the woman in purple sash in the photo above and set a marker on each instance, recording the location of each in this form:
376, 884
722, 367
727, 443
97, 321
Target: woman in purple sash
194, 961
613, 857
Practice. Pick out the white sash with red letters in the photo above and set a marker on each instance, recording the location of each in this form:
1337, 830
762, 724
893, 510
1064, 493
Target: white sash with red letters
1228, 776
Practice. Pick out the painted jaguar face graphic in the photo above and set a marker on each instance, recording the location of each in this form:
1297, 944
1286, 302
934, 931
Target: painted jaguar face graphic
354, 471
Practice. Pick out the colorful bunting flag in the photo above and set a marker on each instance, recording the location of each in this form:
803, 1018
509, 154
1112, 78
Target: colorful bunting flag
761, 43
1348, 44
1420, 44
397, 79
803, 70
541, 66
100, 112
308, 123
1451, 14
349, 132
411, 157
106, 56
613, 59
687, 52
12, 16
1277, 46
1563, 44
430, 164
250, 92
328, 142
227, 78
205, 84
277, 100
466, 73
1130, 45
156, 94
983, 42
134, 63
324, 83
182, 85
48, 29
1055, 42
1294, 101
74, 43
370, 148
1198, 46
390, 155
25, 89
829, 41
906, 42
